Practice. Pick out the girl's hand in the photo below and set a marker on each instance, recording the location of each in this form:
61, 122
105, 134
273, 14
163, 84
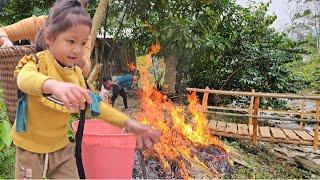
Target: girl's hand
84, 67
147, 136
73, 96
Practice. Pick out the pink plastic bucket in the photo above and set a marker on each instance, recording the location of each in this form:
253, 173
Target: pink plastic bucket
107, 153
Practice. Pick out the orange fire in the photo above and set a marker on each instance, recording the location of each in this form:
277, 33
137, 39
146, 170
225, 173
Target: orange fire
131, 67
179, 134
154, 49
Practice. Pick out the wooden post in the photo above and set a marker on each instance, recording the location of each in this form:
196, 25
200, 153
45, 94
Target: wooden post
97, 20
251, 107
302, 114
316, 126
205, 99
255, 119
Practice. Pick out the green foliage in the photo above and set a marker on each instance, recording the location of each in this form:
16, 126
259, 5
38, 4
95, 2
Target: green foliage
7, 160
7, 151
218, 43
253, 55
3, 3
304, 18
5, 127
71, 133
309, 68
17, 10
278, 104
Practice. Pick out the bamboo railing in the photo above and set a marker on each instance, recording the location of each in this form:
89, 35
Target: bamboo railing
253, 111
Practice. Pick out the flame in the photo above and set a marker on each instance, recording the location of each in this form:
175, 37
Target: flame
131, 67
154, 49
178, 133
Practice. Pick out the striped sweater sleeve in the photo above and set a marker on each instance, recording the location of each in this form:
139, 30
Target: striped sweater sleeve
111, 115
29, 80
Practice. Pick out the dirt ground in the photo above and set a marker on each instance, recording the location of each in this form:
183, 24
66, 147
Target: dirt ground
133, 103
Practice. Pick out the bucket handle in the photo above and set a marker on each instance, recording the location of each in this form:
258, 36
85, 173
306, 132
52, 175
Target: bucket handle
78, 151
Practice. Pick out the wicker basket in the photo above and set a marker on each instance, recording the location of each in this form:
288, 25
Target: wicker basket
9, 58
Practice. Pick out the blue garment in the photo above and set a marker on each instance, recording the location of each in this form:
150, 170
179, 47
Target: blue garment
95, 100
125, 81
21, 121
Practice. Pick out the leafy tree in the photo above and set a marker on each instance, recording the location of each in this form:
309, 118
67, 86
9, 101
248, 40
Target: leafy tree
216, 43
305, 19
253, 55
176, 25
3, 4
17, 10
208, 42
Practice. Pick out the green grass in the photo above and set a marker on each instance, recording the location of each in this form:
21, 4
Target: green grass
3, 108
263, 164
7, 155
7, 160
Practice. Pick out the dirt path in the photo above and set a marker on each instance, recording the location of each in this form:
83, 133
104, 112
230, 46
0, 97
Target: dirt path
133, 103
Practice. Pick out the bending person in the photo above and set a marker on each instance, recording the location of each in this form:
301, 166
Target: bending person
118, 87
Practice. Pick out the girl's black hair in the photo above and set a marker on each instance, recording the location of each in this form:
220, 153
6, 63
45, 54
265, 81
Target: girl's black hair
62, 16
40, 42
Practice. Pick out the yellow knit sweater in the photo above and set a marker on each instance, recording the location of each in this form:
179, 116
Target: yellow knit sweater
48, 123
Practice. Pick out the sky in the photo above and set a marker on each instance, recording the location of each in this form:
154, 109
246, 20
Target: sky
279, 7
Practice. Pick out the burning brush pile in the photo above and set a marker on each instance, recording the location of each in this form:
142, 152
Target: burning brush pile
186, 148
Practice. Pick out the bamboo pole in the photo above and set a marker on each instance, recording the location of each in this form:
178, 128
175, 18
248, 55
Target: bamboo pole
316, 127
228, 108
205, 100
260, 110
259, 94
94, 75
97, 20
302, 114
272, 140
255, 120
264, 117
251, 107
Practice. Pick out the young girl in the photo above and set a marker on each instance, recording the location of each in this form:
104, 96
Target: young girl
42, 148
28, 29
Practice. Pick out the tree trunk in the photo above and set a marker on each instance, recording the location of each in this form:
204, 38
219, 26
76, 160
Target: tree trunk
97, 20
318, 44
170, 76
96, 56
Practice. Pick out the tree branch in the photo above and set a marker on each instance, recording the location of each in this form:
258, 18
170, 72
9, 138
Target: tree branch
230, 76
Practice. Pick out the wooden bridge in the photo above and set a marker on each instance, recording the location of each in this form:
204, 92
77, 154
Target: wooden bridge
252, 130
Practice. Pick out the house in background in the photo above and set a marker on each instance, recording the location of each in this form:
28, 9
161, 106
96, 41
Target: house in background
114, 56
